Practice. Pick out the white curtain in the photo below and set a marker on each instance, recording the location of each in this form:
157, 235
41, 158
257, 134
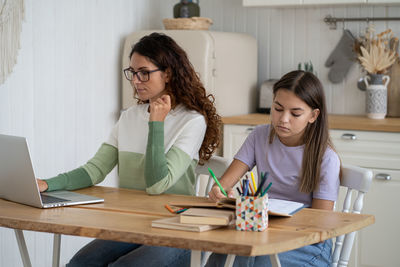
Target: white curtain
11, 16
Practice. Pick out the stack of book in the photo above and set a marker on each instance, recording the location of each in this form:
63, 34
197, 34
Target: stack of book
197, 220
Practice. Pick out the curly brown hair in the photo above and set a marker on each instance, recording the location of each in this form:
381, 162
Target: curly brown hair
184, 86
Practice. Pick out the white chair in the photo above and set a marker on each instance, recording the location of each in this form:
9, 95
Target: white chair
354, 179
218, 165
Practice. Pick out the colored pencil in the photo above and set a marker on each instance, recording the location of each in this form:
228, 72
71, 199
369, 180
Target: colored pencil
246, 187
169, 208
240, 193
254, 181
263, 179
251, 189
181, 210
266, 189
217, 182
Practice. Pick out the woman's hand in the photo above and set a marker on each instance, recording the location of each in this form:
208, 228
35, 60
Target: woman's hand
42, 185
160, 108
216, 194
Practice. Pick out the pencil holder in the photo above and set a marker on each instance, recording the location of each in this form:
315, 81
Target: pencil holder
252, 213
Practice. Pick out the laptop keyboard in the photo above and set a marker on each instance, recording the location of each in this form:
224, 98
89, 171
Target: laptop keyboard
49, 199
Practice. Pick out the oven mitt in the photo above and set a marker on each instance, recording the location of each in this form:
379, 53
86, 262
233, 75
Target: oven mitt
341, 58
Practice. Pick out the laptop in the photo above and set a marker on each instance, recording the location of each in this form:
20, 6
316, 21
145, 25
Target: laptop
18, 180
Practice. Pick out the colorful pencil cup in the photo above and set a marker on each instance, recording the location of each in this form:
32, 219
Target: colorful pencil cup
252, 213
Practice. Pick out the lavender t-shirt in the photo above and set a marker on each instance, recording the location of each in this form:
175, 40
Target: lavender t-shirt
283, 163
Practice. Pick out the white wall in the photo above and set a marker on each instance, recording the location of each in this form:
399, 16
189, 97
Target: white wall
64, 91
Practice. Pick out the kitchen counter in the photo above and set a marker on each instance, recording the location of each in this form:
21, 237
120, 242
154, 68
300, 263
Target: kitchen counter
337, 122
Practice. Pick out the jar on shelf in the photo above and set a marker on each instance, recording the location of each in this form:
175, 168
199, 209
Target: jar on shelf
186, 9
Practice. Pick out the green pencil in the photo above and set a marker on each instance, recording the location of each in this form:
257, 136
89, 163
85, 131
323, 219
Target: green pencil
266, 189
216, 180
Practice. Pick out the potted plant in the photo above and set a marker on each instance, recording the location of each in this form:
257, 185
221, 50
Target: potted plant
308, 66
376, 56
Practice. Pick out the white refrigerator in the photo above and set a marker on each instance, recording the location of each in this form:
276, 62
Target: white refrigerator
226, 63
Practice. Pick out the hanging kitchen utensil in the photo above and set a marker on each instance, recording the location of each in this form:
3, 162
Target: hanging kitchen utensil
341, 58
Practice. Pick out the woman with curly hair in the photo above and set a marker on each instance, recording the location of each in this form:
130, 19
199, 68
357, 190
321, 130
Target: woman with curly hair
156, 144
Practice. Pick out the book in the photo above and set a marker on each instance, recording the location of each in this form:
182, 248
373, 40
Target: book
286, 208
207, 216
174, 223
280, 207
276, 207
228, 203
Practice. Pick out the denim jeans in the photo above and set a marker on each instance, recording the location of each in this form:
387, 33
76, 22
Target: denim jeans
313, 255
120, 254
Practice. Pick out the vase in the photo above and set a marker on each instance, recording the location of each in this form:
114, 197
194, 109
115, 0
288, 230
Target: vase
186, 9
376, 100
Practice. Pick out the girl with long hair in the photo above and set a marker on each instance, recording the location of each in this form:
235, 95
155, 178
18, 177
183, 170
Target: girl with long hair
296, 151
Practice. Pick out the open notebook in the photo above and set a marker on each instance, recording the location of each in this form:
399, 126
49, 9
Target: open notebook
276, 207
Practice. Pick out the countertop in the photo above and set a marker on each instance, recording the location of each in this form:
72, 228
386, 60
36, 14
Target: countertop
336, 122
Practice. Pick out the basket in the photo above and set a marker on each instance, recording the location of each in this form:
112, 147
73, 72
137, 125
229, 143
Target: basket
193, 23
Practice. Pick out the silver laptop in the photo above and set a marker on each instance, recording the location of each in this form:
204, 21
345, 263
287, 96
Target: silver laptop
18, 180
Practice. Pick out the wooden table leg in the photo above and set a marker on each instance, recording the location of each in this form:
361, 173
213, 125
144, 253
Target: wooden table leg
56, 250
22, 248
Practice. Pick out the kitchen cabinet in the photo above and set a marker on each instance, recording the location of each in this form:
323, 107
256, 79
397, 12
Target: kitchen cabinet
283, 3
383, 1
378, 150
333, 2
272, 2
234, 137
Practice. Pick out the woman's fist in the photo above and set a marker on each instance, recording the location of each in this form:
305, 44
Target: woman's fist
159, 108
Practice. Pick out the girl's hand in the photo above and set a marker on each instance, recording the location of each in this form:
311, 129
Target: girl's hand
160, 108
231, 193
216, 194
42, 185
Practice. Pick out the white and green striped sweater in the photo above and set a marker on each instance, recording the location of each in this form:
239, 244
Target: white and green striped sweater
159, 157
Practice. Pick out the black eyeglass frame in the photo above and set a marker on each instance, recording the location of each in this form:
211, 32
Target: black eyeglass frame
144, 72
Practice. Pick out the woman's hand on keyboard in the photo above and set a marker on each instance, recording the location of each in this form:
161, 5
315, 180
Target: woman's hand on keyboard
42, 185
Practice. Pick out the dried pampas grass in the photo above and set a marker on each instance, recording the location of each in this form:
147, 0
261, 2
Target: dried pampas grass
375, 52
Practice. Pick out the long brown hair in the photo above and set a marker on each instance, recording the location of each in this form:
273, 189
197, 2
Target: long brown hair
308, 88
184, 86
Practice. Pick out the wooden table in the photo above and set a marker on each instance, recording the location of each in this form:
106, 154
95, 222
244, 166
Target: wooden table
126, 215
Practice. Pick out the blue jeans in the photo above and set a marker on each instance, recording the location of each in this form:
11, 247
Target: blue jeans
312, 255
119, 254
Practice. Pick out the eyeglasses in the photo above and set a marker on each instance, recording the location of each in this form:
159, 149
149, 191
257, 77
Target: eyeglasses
142, 75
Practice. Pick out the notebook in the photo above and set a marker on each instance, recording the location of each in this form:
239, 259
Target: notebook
18, 180
207, 216
175, 224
